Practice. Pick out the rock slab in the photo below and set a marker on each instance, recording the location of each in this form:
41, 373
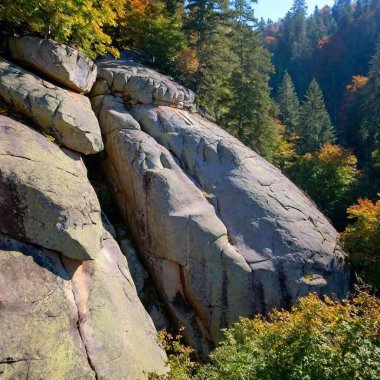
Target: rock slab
140, 84
45, 197
66, 115
61, 63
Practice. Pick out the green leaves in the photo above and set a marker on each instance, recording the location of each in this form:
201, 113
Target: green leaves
78, 23
317, 341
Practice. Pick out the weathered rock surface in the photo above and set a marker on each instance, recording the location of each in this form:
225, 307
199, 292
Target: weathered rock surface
200, 275
67, 115
65, 65
66, 319
289, 245
62, 318
140, 84
260, 244
45, 197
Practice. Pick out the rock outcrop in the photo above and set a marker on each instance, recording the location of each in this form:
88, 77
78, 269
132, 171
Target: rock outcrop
223, 232
58, 62
137, 83
66, 115
63, 318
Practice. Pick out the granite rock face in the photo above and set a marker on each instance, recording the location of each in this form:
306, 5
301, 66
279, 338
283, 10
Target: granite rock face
140, 84
61, 63
67, 319
55, 207
65, 114
59, 317
223, 233
291, 248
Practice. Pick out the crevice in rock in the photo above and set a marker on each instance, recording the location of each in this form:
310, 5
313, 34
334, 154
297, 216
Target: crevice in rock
78, 321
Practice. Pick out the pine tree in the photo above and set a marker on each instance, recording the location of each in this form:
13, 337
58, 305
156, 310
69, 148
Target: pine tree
288, 104
250, 104
315, 124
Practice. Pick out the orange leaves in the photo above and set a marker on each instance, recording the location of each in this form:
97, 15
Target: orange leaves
270, 40
138, 6
187, 60
358, 81
335, 154
323, 41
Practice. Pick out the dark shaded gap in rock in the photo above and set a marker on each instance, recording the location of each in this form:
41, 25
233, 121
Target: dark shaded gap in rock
149, 296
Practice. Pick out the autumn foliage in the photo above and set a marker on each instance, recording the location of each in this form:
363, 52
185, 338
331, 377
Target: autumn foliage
362, 239
316, 340
328, 176
80, 23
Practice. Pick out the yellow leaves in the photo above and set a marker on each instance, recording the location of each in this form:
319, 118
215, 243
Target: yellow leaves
285, 152
362, 238
358, 81
79, 22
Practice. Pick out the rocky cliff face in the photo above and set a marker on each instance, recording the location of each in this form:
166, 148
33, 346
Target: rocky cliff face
222, 232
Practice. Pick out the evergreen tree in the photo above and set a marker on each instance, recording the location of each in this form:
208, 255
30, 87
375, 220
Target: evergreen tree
204, 21
315, 124
299, 7
289, 106
370, 126
250, 104
343, 12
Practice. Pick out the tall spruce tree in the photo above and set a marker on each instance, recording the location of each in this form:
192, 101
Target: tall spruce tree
315, 128
250, 103
289, 105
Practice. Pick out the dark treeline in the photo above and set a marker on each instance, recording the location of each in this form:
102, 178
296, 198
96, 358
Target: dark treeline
335, 46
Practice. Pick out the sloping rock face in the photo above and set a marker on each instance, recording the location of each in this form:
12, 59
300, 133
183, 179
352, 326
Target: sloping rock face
67, 115
137, 83
58, 62
56, 207
63, 318
222, 231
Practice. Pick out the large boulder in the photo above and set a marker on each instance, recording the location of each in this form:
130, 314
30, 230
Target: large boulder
65, 65
66, 115
140, 84
200, 275
66, 319
223, 233
45, 197
289, 245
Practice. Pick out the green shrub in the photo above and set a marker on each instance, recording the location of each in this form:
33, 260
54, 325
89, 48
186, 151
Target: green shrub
317, 340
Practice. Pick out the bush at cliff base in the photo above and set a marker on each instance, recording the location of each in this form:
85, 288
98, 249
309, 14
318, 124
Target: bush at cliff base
316, 340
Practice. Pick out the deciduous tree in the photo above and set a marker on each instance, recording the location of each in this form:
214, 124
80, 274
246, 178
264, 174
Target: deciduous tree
79, 23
